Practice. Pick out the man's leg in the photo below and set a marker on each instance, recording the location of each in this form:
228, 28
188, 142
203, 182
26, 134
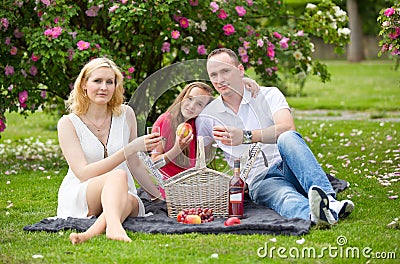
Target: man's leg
303, 170
275, 192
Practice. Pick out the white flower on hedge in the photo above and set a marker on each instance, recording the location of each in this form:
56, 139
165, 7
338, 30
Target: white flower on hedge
312, 47
344, 31
311, 6
339, 13
297, 55
385, 24
333, 25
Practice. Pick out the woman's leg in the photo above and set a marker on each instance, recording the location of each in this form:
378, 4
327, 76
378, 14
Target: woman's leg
108, 196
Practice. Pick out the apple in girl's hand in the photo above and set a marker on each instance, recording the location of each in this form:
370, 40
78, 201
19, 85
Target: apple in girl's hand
180, 131
192, 219
232, 221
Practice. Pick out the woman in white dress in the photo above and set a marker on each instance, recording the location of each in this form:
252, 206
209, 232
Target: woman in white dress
96, 138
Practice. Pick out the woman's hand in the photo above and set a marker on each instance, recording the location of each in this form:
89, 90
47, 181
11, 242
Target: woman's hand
144, 143
252, 86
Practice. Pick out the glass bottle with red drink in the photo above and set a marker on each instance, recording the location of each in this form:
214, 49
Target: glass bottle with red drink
236, 193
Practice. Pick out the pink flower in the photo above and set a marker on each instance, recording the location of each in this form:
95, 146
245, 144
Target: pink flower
131, 69
34, 57
185, 49
57, 32
214, 7
389, 12
194, 2
242, 51
246, 44
260, 43
241, 11
184, 22
92, 11
277, 35
13, 50
9, 70
165, 47
228, 29
300, 33
271, 50
8, 41
222, 14
175, 34
124, 2
4, 23
284, 43
249, 2
56, 20
43, 94
53, 32
48, 32
83, 45
201, 50
18, 34
33, 70
46, 2
22, 98
113, 8
245, 58
259, 61
2, 125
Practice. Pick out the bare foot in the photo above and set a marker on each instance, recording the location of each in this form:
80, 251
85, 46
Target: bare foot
77, 238
118, 235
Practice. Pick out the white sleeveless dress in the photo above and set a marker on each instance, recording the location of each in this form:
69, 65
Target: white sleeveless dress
72, 193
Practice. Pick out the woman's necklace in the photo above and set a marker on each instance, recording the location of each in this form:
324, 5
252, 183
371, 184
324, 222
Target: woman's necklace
97, 128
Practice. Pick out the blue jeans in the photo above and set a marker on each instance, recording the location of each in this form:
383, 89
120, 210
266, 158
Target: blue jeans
285, 186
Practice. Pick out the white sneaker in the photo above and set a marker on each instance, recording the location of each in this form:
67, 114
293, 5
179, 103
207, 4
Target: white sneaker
342, 208
346, 208
319, 207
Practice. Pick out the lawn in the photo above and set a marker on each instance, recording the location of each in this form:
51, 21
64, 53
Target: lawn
366, 153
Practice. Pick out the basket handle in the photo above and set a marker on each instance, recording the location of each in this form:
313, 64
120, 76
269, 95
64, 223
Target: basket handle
200, 160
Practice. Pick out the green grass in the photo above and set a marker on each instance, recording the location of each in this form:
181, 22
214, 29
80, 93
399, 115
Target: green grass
364, 152
367, 86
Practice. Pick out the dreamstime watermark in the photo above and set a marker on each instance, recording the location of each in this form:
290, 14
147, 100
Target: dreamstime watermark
340, 250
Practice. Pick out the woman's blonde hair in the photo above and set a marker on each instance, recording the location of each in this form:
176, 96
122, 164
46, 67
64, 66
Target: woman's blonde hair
78, 101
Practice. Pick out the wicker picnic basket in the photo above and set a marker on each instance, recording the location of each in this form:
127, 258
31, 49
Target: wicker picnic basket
198, 187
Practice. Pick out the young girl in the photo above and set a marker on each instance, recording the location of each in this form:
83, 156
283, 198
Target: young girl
178, 150
96, 138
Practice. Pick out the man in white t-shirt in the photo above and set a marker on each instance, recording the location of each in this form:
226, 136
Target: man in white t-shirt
292, 183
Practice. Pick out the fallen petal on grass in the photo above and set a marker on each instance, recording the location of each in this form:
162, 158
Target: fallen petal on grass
300, 241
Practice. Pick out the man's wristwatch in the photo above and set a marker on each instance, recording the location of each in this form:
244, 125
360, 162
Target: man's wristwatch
247, 137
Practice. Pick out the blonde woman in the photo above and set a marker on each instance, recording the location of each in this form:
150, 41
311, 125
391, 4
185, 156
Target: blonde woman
96, 138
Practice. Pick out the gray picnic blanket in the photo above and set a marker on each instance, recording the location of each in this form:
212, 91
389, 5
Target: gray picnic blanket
258, 220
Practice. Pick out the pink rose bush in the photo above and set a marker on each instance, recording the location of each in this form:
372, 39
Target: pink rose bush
389, 20
44, 49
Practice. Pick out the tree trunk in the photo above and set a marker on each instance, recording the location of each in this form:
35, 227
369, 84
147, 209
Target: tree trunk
355, 51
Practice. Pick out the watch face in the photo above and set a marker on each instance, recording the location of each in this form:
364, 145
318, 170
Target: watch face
247, 136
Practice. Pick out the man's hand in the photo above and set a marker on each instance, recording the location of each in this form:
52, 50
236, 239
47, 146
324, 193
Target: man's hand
231, 136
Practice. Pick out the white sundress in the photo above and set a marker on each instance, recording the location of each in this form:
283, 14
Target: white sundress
72, 193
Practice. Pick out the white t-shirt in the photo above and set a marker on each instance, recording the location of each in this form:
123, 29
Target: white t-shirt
254, 113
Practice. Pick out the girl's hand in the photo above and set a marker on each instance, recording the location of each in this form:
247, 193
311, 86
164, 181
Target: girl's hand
183, 142
252, 86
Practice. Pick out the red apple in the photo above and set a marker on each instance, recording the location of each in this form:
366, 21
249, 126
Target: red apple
232, 221
180, 217
192, 219
183, 129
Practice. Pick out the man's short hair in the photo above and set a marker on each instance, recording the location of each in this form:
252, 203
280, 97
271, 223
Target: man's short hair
230, 52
